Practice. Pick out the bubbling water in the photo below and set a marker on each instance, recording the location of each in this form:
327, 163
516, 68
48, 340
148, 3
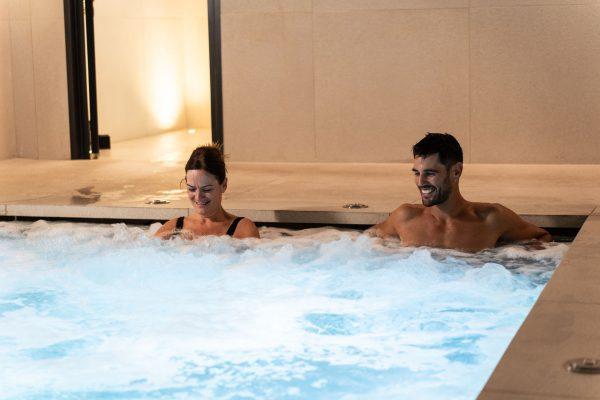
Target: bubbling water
108, 311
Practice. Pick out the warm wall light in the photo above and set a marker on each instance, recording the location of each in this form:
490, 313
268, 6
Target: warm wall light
166, 88
167, 100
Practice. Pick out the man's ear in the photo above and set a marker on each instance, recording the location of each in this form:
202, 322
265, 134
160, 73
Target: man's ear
457, 170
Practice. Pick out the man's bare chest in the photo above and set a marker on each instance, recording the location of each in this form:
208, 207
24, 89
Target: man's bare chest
470, 235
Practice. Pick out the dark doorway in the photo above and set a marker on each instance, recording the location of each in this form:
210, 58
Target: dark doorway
81, 76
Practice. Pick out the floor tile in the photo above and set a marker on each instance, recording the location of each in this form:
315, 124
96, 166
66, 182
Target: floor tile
552, 334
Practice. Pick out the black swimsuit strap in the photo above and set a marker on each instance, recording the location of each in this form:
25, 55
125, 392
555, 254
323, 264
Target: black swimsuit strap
179, 224
233, 226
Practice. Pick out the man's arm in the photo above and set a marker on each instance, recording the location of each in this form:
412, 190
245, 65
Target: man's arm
388, 227
383, 229
515, 228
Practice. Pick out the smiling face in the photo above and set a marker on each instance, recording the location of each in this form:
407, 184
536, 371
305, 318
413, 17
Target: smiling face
204, 191
434, 180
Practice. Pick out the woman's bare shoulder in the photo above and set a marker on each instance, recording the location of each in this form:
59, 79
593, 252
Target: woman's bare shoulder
168, 228
246, 228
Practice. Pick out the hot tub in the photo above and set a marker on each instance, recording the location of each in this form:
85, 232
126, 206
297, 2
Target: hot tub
107, 311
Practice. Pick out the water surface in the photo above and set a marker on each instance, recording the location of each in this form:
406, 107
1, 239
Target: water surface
108, 312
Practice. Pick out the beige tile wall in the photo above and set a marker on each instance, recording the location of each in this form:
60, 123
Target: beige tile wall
35, 56
253, 6
7, 126
351, 5
268, 86
4, 10
50, 85
517, 81
380, 81
24, 94
269, 105
535, 77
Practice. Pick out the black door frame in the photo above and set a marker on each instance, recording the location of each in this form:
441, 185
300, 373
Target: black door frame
79, 126
216, 83
83, 125
91, 53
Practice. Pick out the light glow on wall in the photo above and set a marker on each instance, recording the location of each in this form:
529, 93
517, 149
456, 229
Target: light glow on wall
197, 66
166, 92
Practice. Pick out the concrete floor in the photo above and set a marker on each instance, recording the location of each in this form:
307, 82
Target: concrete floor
563, 324
123, 180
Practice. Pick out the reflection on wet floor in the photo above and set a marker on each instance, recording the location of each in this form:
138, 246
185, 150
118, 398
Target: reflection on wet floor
171, 148
85, 196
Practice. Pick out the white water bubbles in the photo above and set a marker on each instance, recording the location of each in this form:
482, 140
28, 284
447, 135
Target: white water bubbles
108, 311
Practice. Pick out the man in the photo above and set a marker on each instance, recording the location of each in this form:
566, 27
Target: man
446, 219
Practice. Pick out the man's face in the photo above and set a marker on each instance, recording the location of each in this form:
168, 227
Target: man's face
432, 179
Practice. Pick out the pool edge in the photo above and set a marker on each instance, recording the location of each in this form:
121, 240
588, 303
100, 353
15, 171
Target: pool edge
309, 215
563, 324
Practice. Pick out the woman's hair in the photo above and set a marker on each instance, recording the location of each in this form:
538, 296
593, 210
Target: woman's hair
210, 159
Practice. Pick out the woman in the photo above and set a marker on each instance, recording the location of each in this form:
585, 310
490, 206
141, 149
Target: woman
206, 181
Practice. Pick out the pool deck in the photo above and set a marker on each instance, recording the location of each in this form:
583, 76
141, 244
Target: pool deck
563, 324
288, 193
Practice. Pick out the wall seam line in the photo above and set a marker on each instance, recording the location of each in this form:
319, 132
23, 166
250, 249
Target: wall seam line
591, 3
536, 393
312, 30
145, 72
570, 302
469, 83
185, 57
35, 105
15, 152
353, 10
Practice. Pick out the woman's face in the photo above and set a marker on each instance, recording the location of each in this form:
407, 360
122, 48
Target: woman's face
204, 191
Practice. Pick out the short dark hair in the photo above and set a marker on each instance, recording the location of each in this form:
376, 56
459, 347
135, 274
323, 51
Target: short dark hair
210, 159
443, 144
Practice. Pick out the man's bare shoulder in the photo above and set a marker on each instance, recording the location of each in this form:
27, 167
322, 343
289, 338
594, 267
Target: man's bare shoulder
494, 214
511, 227
395, 220
406, 212
488, 210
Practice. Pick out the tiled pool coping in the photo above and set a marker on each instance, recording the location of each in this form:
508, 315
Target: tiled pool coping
563, 324
287, 216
